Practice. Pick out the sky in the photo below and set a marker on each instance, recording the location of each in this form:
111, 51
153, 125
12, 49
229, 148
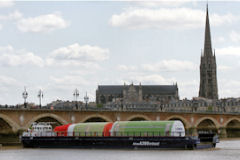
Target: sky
60, 46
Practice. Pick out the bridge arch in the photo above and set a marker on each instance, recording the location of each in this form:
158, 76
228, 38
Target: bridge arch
182, 119
233, 127
14, 126
96, 116
207, 118
207, 124
138, 117
45, 115
229, 120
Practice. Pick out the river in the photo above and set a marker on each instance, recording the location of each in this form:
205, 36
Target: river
225, 150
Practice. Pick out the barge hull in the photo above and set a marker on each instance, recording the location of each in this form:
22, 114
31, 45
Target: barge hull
112, 142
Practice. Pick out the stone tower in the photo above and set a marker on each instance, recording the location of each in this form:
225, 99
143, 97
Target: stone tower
208, 69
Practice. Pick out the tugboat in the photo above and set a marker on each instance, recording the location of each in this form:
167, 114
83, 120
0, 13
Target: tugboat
120, 134
40, 129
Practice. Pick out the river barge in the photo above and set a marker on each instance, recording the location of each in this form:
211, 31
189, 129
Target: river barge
117, 135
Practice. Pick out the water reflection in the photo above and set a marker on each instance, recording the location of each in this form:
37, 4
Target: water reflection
226, 150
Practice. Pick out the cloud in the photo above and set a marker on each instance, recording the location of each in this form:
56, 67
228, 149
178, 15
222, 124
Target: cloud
16, 15
12, 57
12, 16
149, 79
229, 88
138, 76
127, 67
224, 68
234, 36
64, 85
42, 23
77, 55
168, 3
170, 65
69, 80
217, 20
6, 3
220, 39
85, 56
81, 53
83, 72
188, 88
7, 82
164, 65
164, 18
228, 51
72, 63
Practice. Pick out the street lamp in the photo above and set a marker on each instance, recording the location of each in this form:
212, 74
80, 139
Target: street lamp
76, 95
40, 96
25, 95
86, 98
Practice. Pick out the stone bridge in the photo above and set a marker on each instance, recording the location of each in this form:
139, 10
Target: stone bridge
16, 120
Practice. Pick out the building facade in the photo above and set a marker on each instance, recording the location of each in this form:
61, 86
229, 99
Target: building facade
208, 68
136, 93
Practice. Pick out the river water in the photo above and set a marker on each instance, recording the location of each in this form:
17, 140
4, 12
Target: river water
225, 150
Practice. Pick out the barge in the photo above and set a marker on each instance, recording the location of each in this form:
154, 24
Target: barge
117, 135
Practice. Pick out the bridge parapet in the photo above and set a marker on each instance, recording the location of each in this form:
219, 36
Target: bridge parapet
230, 105
144, 108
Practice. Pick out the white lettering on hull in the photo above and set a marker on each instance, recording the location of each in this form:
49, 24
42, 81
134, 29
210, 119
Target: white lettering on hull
146, 143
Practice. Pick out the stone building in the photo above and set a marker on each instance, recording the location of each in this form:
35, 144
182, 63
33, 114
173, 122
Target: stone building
208, 69
136, 93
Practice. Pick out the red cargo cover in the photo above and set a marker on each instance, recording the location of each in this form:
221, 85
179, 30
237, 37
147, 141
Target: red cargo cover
62, 130
106, 129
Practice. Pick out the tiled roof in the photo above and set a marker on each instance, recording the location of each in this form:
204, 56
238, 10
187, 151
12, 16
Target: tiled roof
146, 89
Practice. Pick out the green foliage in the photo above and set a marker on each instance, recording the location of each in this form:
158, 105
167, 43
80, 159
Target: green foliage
99, 105
210, 108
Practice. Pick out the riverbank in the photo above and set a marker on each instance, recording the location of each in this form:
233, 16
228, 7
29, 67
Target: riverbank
230, 139
11, 147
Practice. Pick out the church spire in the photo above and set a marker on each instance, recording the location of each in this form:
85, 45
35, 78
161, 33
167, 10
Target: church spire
208, 68
207, 41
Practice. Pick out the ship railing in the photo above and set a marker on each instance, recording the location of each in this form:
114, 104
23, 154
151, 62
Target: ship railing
106, 134
39, 134
204, 137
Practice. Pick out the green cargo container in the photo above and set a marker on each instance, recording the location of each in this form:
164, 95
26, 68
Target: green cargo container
148, 128
89, 129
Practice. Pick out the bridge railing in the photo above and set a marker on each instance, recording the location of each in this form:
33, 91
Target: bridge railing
140, 108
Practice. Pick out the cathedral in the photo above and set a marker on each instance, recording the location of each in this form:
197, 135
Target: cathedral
163, 94
208, 68
136, 93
